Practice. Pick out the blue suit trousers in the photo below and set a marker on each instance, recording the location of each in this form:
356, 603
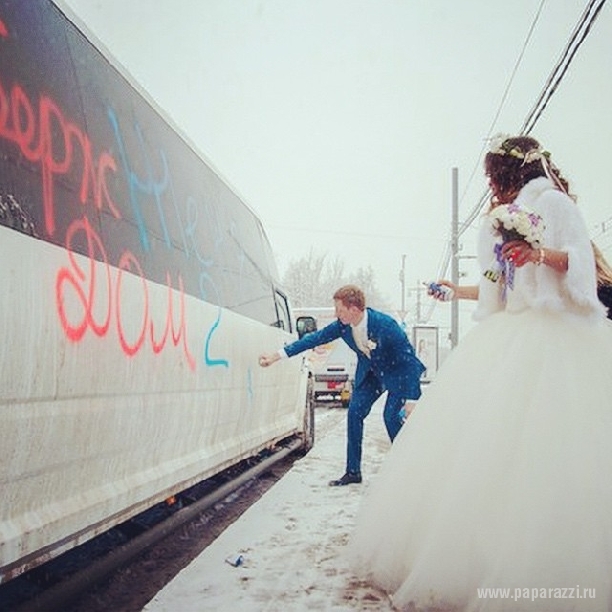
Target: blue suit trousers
360, 405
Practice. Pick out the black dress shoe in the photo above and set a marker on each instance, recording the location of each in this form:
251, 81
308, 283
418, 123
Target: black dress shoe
348, 478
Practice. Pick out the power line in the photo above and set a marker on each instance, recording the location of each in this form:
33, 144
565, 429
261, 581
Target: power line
446, 258
503, 100
577, 37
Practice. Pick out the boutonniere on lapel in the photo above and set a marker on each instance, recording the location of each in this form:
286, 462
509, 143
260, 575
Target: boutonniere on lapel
371, 345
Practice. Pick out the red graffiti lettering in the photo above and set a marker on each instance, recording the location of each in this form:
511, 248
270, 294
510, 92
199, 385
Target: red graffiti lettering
77, 279
54, 149
176, 336
87, 297
22, 113
126, 262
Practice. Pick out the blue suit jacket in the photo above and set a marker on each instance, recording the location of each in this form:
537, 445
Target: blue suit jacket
392, 361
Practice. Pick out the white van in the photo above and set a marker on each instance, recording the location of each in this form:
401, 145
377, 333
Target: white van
332, 366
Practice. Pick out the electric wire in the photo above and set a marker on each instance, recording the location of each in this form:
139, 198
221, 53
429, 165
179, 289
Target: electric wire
578, 36
502, 102
559, 71
473, 214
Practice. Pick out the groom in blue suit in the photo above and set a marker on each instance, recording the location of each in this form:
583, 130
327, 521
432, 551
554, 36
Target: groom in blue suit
385, 362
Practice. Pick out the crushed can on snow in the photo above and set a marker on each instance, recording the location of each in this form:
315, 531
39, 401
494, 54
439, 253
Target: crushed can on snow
235, 560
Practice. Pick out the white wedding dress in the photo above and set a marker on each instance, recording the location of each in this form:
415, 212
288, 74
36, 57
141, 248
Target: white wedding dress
502, 476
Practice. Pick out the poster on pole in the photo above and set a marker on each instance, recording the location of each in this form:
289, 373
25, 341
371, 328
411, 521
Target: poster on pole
426, 347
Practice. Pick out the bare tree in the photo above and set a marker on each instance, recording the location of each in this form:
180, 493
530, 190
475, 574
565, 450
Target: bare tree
311, 282
302, 280
364, 278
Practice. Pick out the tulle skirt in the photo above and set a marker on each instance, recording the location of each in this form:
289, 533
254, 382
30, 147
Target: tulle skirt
497, 493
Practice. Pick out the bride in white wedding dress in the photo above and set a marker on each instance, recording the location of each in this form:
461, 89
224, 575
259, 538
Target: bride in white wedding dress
497, 493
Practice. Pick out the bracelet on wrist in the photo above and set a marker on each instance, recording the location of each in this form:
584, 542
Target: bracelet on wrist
541, 257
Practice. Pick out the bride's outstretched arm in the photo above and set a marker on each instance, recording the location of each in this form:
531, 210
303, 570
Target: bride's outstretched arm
466, 292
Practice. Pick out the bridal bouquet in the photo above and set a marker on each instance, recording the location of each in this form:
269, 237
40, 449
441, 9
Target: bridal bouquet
512, 222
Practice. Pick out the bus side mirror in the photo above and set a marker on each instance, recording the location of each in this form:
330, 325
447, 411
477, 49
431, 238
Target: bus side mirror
305, 325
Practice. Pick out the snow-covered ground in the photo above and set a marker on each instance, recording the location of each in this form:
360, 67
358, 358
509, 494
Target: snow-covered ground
292, 541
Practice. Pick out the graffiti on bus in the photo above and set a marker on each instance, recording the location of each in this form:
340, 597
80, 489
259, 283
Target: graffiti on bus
44, 134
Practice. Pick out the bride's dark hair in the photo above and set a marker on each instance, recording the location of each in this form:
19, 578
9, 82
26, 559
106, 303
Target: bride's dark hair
515, 162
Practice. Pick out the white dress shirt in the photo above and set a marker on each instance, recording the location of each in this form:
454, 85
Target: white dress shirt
360, 334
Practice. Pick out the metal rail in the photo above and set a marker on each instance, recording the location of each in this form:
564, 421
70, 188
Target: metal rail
59, 597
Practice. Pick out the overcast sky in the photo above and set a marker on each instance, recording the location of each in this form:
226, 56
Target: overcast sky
339, 121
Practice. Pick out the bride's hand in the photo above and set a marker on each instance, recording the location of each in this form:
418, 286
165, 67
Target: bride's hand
519, 252
440, 294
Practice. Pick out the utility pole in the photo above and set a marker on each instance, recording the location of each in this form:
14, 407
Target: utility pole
454, 333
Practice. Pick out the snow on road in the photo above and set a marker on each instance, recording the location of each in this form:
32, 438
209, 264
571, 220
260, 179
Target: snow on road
292, 541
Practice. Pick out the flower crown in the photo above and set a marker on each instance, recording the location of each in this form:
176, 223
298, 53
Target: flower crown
501, 145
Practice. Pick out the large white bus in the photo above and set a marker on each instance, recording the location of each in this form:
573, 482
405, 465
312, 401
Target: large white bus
137, 293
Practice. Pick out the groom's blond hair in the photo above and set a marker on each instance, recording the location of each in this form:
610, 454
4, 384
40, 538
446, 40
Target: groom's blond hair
351, 295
